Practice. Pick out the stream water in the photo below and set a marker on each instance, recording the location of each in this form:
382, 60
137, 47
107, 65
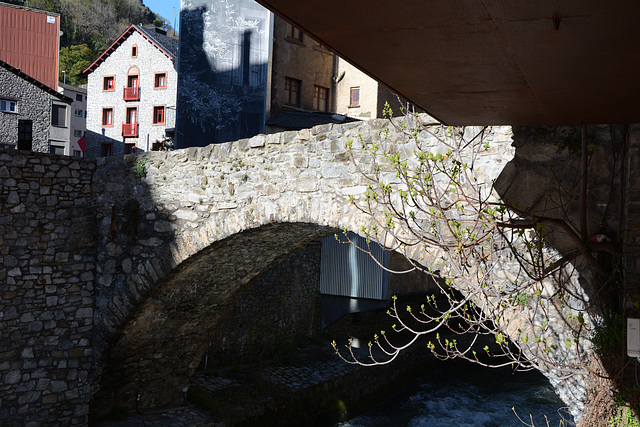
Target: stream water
458, 394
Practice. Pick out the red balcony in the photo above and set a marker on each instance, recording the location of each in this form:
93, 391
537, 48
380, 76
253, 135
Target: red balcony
130, 130
131, 93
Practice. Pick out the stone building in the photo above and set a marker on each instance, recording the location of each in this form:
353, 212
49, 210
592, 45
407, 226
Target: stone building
132, 91
358, 95
75, 144
32, 115
302, 75
311, 85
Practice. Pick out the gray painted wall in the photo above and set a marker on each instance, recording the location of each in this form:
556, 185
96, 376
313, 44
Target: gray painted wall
224, 71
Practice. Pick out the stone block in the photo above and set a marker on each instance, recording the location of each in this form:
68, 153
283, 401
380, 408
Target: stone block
50, 399
257, 141
58, 386
13, 198
85, 312
43, 384
12, 377
29, 397
35, 326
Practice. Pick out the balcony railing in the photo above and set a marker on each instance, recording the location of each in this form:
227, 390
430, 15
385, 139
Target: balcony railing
131, 93
130, 130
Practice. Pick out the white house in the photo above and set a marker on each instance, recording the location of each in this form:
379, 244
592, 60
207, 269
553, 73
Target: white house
73, 143
131, 91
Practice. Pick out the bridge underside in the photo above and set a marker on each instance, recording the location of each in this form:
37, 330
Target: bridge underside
499, 62
160, 345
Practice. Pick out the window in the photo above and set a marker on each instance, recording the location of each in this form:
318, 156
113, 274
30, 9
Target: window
355, 97
77, 133
292, 91
58, 115
77, 153
78, 113
57, 149
108, 83
132, 80
158, 115
295, 34
78, 97
132, 115
25, 135
132, 91
8, 106
106, 150
107, 117
320, 97
134, 51
130, 126
160, 80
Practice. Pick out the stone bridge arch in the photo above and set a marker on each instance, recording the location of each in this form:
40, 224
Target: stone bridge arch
182, 232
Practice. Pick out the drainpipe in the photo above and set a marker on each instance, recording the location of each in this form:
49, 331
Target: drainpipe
334, 85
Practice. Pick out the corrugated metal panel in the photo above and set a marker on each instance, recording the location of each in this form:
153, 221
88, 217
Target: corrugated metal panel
29, 40
348, 271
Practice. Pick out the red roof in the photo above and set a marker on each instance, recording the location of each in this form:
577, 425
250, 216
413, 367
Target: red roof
118, 42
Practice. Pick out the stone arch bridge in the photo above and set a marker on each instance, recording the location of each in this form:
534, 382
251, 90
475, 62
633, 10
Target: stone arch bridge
209, 220
118, 270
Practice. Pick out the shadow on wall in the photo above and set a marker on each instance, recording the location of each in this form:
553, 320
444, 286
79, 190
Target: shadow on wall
223, 79
99, 145
162, 287
545, 178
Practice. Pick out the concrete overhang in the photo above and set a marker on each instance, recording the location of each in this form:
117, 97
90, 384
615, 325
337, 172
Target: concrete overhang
490, 62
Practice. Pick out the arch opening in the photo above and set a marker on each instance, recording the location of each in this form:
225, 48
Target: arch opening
158, 347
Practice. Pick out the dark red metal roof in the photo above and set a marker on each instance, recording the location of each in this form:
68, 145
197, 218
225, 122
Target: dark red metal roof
29, 41
497, 62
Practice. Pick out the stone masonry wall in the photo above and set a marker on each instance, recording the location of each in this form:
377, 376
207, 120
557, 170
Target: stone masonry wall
47, 268
277, 308
33, 104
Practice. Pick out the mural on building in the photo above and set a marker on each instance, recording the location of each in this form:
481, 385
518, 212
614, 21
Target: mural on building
224, 70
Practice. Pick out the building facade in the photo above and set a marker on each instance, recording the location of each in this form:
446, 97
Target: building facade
32, 115
361, 96
303, 90
131, 90
75, 145
245, 71
302, 71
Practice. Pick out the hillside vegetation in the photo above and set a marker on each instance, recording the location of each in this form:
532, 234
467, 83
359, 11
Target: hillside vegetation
90, 26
